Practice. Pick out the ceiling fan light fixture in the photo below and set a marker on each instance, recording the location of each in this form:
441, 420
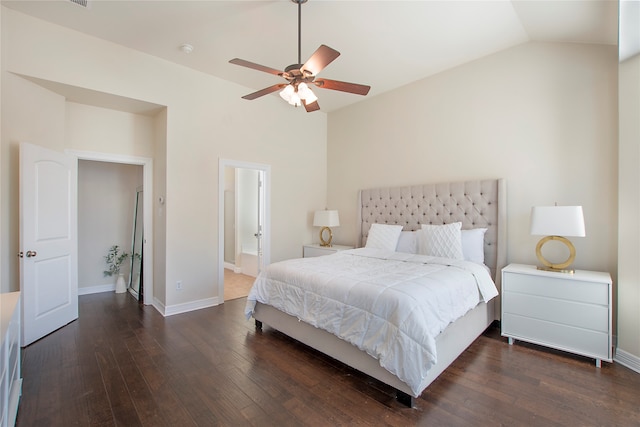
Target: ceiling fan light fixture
295, 100
307, 94
287, 92
290, 95
297, 91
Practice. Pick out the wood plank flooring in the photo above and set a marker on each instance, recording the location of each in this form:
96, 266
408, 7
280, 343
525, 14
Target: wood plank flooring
124, 364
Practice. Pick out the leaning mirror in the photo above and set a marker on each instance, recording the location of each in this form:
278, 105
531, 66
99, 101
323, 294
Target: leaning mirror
135, 277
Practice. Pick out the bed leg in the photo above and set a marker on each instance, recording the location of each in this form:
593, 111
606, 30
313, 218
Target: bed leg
405, 399
258, 325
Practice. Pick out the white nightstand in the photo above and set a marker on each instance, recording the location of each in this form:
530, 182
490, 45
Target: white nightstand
569, 312
316, 250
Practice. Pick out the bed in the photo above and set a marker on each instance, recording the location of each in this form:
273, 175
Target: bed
471, 206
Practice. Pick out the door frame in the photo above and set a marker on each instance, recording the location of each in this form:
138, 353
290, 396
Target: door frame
147, 202
266, 232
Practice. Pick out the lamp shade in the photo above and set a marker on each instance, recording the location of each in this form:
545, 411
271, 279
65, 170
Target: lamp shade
557, 221
326, 218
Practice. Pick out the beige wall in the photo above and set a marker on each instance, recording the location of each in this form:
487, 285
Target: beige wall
543, 116
629, 205
159, 217
106, 191
205, 120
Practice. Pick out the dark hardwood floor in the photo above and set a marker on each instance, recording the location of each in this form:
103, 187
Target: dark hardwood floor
121, 364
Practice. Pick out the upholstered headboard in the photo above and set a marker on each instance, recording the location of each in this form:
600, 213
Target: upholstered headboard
476, 204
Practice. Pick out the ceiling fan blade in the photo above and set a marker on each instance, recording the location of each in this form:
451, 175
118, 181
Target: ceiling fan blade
255, 66
342, 86
322, 57
265, 91
312, 106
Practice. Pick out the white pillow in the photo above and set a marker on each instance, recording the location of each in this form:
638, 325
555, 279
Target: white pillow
408, 242
473, 244
441, 240
383, 236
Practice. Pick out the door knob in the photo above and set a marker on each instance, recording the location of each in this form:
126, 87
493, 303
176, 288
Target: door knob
31, 254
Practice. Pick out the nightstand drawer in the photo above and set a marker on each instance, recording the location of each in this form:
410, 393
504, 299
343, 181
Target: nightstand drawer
576, 340
560, 288
561, 312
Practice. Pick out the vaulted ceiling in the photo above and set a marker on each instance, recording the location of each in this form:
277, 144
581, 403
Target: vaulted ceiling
385, 44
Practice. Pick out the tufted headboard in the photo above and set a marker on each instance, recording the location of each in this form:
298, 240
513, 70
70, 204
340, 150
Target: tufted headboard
476, 204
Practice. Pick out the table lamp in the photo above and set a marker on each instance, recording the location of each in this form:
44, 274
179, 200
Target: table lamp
326, 219
556, 222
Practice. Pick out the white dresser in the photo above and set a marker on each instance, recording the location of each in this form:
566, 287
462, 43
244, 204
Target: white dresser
10, 377
569, 312
317, 250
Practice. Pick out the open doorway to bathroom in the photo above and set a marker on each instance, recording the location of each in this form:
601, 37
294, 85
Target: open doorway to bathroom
244, 233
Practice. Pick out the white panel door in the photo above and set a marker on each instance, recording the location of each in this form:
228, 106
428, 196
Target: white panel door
48, 241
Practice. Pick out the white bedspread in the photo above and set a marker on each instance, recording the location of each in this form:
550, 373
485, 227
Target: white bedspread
391, 305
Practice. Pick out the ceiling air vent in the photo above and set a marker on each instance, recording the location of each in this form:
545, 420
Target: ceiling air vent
83, 3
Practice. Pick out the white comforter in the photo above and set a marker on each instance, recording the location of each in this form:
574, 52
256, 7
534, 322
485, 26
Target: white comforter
391, 305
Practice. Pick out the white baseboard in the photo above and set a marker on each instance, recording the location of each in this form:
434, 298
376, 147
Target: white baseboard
96, 289
184, 307
232, 267
627, 359
158, 305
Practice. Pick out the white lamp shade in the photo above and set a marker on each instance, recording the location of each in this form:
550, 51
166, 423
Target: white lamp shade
307, 94
326, 218
557, 221
287, 92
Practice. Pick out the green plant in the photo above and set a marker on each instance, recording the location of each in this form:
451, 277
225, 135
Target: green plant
114, 259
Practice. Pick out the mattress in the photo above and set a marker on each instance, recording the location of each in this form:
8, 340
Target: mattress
391, 305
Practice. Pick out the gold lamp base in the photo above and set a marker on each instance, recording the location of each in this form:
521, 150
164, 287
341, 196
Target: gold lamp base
325, 243
558, 267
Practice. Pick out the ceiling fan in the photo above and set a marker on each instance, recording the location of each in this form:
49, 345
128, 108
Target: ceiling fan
300, 76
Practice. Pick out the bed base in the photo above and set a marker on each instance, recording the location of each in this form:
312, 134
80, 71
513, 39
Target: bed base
449, 344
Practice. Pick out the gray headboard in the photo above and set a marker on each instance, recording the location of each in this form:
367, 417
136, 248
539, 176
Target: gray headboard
480, 203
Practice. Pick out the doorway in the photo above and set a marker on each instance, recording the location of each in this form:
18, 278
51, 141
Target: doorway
48, 192
145, 209
244, 236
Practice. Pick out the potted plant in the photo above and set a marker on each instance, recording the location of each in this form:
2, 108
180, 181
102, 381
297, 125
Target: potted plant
114, 259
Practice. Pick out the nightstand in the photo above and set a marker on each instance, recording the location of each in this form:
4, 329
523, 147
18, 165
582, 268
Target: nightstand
569, 312
315, 249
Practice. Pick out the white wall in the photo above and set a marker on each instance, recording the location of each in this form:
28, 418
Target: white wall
629, 206
106, 198
107, 130
32, 114
541, 115
206, 119
159, 209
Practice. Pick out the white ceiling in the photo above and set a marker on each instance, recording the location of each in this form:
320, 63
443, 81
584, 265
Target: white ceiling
384, 44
